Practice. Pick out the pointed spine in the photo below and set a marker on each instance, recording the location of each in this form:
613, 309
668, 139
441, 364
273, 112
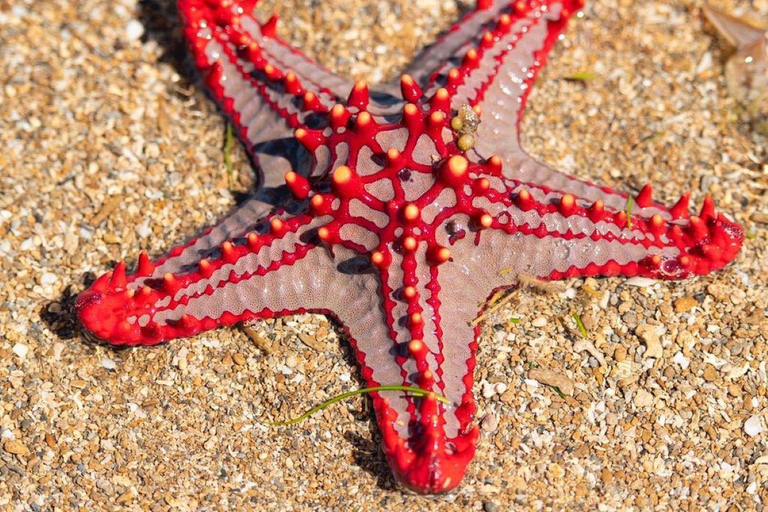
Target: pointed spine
359, 96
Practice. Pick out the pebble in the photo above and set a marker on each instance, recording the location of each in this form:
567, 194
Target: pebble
681, 360
551, 378
539, 321
555, 472
651, 336
710, 373
312, 342
490, 422
490, 506
643, 398
753, 426
126, 497
685, 304
606, 476
48, 279
15, 447
108, 363
239, 359
640, 282
58, 349
21, 350
134, 30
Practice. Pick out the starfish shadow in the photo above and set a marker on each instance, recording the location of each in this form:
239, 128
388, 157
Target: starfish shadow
59, 314
369, 456
160, 19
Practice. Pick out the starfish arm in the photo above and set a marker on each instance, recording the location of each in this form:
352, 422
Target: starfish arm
498, 73
267, 88
403, 333
187, 255
275, 269
555, 235
430, 67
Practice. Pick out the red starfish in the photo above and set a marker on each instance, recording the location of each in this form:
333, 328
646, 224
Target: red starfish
390, 227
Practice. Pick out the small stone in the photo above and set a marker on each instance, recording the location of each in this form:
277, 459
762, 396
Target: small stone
752, 426
508, 397
134, 30
651, 336
643, 398
681, 360
539, 321
556, 472
490, 422
710, 373
490, 506
239, 359
685, 304
15, 447
640, 282
58, 349
48, 279
606, 476
21, 350
554, 379
759, 217
488, 390
108, 363
734, 390
311, 342
620, 354
126, 497
261, 342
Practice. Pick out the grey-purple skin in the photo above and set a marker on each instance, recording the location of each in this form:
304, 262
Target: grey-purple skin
374, 210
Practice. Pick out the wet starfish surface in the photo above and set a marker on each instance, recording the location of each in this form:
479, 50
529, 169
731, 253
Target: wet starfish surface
395, 211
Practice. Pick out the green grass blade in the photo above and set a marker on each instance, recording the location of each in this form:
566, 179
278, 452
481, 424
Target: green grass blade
630, 204
581, 76
580, 325
408, 389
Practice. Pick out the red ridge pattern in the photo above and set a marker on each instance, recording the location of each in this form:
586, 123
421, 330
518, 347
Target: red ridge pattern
390, 226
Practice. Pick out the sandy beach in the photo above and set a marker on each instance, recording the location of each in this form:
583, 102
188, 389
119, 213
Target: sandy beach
108, 146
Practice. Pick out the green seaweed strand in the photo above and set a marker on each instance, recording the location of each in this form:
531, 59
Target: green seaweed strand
408, 389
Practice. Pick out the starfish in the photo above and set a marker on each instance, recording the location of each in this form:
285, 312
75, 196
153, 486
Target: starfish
396, 212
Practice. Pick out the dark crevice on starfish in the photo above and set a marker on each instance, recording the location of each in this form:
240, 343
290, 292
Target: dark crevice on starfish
393, 229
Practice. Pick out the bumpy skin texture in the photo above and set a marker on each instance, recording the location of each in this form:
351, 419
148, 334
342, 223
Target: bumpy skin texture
385, 224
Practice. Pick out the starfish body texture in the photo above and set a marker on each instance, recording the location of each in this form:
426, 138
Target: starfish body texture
376, 208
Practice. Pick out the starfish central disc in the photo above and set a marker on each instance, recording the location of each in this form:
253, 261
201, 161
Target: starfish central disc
396, 183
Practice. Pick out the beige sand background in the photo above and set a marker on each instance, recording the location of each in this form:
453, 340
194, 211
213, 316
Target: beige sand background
107, 147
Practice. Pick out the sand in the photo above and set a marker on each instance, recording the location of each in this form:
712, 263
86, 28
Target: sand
107, 146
